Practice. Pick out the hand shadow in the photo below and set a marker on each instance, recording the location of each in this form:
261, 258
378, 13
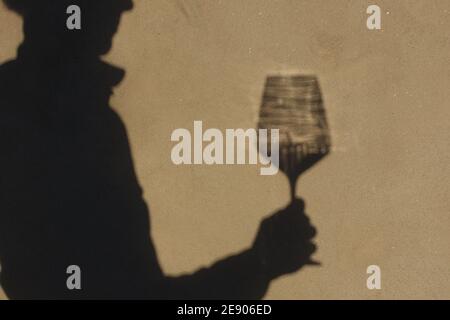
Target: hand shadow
284, 241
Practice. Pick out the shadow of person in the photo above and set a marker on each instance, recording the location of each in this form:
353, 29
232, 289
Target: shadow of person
69, 192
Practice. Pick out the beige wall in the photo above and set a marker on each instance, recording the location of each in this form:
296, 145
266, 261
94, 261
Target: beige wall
380, 198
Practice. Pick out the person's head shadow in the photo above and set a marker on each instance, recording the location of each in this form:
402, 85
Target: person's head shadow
45, 25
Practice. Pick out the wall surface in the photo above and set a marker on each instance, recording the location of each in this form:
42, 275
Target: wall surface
380, 198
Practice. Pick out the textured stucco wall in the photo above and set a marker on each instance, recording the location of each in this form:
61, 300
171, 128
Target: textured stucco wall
380, 198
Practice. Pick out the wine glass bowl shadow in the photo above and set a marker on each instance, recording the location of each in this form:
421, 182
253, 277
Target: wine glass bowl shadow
293, 104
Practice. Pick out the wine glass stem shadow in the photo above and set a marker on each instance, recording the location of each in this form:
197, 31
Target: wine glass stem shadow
293, 187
